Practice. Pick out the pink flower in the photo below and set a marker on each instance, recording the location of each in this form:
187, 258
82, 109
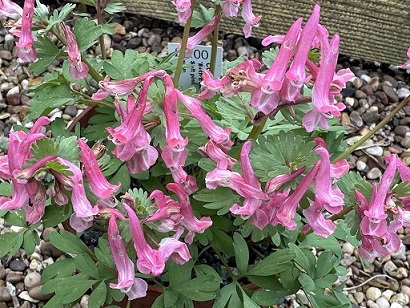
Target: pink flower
10, 9
331, 198
374, 220
97, 181
168, 214
183, 8
194, 40
322, 100
286, 212
26, 51
242, 78
267, 97
189, 221
122, 87
250, 204
217, 134
151, 261
123, 263
215, 153
406, 65
230, 8
320, 225
78, 70
296, 75
250, 19
81, 206
131, 139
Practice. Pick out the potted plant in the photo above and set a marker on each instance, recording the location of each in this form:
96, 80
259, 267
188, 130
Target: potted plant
198, 192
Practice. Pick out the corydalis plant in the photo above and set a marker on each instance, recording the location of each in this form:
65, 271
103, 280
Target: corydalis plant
243, 168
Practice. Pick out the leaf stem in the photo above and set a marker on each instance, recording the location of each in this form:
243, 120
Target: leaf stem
373, 131
257, 129
214, 49
182, 51
225, 264
100, 19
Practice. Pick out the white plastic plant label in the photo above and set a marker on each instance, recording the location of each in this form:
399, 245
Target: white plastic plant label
195, 64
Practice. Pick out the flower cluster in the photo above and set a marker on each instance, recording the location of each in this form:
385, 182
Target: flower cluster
283, 82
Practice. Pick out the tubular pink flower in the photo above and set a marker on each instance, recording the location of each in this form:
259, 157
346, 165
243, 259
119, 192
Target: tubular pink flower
22, 176
215, 153
183, 8
189, 221
81, 205
273, 185
250, 205
122, 87
321, 98
122, 261
266, 213
332, 199
10, 9
168, 213
151, 261
287, 210
194, 40
26, 51
217, 134
266, 97
230, 8
250, 19
78, 70
97, 181
374, 220
320, 225
242, 78
296, 75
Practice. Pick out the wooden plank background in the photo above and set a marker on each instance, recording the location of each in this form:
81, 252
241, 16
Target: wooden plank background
376, 30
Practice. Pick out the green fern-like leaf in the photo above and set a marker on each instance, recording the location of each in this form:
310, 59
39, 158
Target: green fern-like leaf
281, 154
44, 147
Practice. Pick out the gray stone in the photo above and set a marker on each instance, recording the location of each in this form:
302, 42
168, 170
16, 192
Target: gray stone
8, 42
367, 89
389, 267
365, 78
400, 298
396, 305
154, 39
14, 277
359, 297
391, 95
48, 249
382, 302
403, 93
35, 292
405, 290
32, 279
371, 115
356, 119
71, 110
391, 79
25, 295
348, 248
405, 142
383, 98
360, 94
361, 165
17, 265
134, 43
375, 151
4, 295
401, 130
374, 173
6, 55
373, 293
374, 83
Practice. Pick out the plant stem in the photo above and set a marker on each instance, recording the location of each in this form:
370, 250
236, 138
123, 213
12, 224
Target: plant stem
228, 269
128, 304
91, 71
373, 131
342, 213
182, 51
214, 49
257, 129
100, 19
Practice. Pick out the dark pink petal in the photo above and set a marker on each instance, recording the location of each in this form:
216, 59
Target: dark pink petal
196, 39
320, 225
25, 50
123, 263
97, 181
